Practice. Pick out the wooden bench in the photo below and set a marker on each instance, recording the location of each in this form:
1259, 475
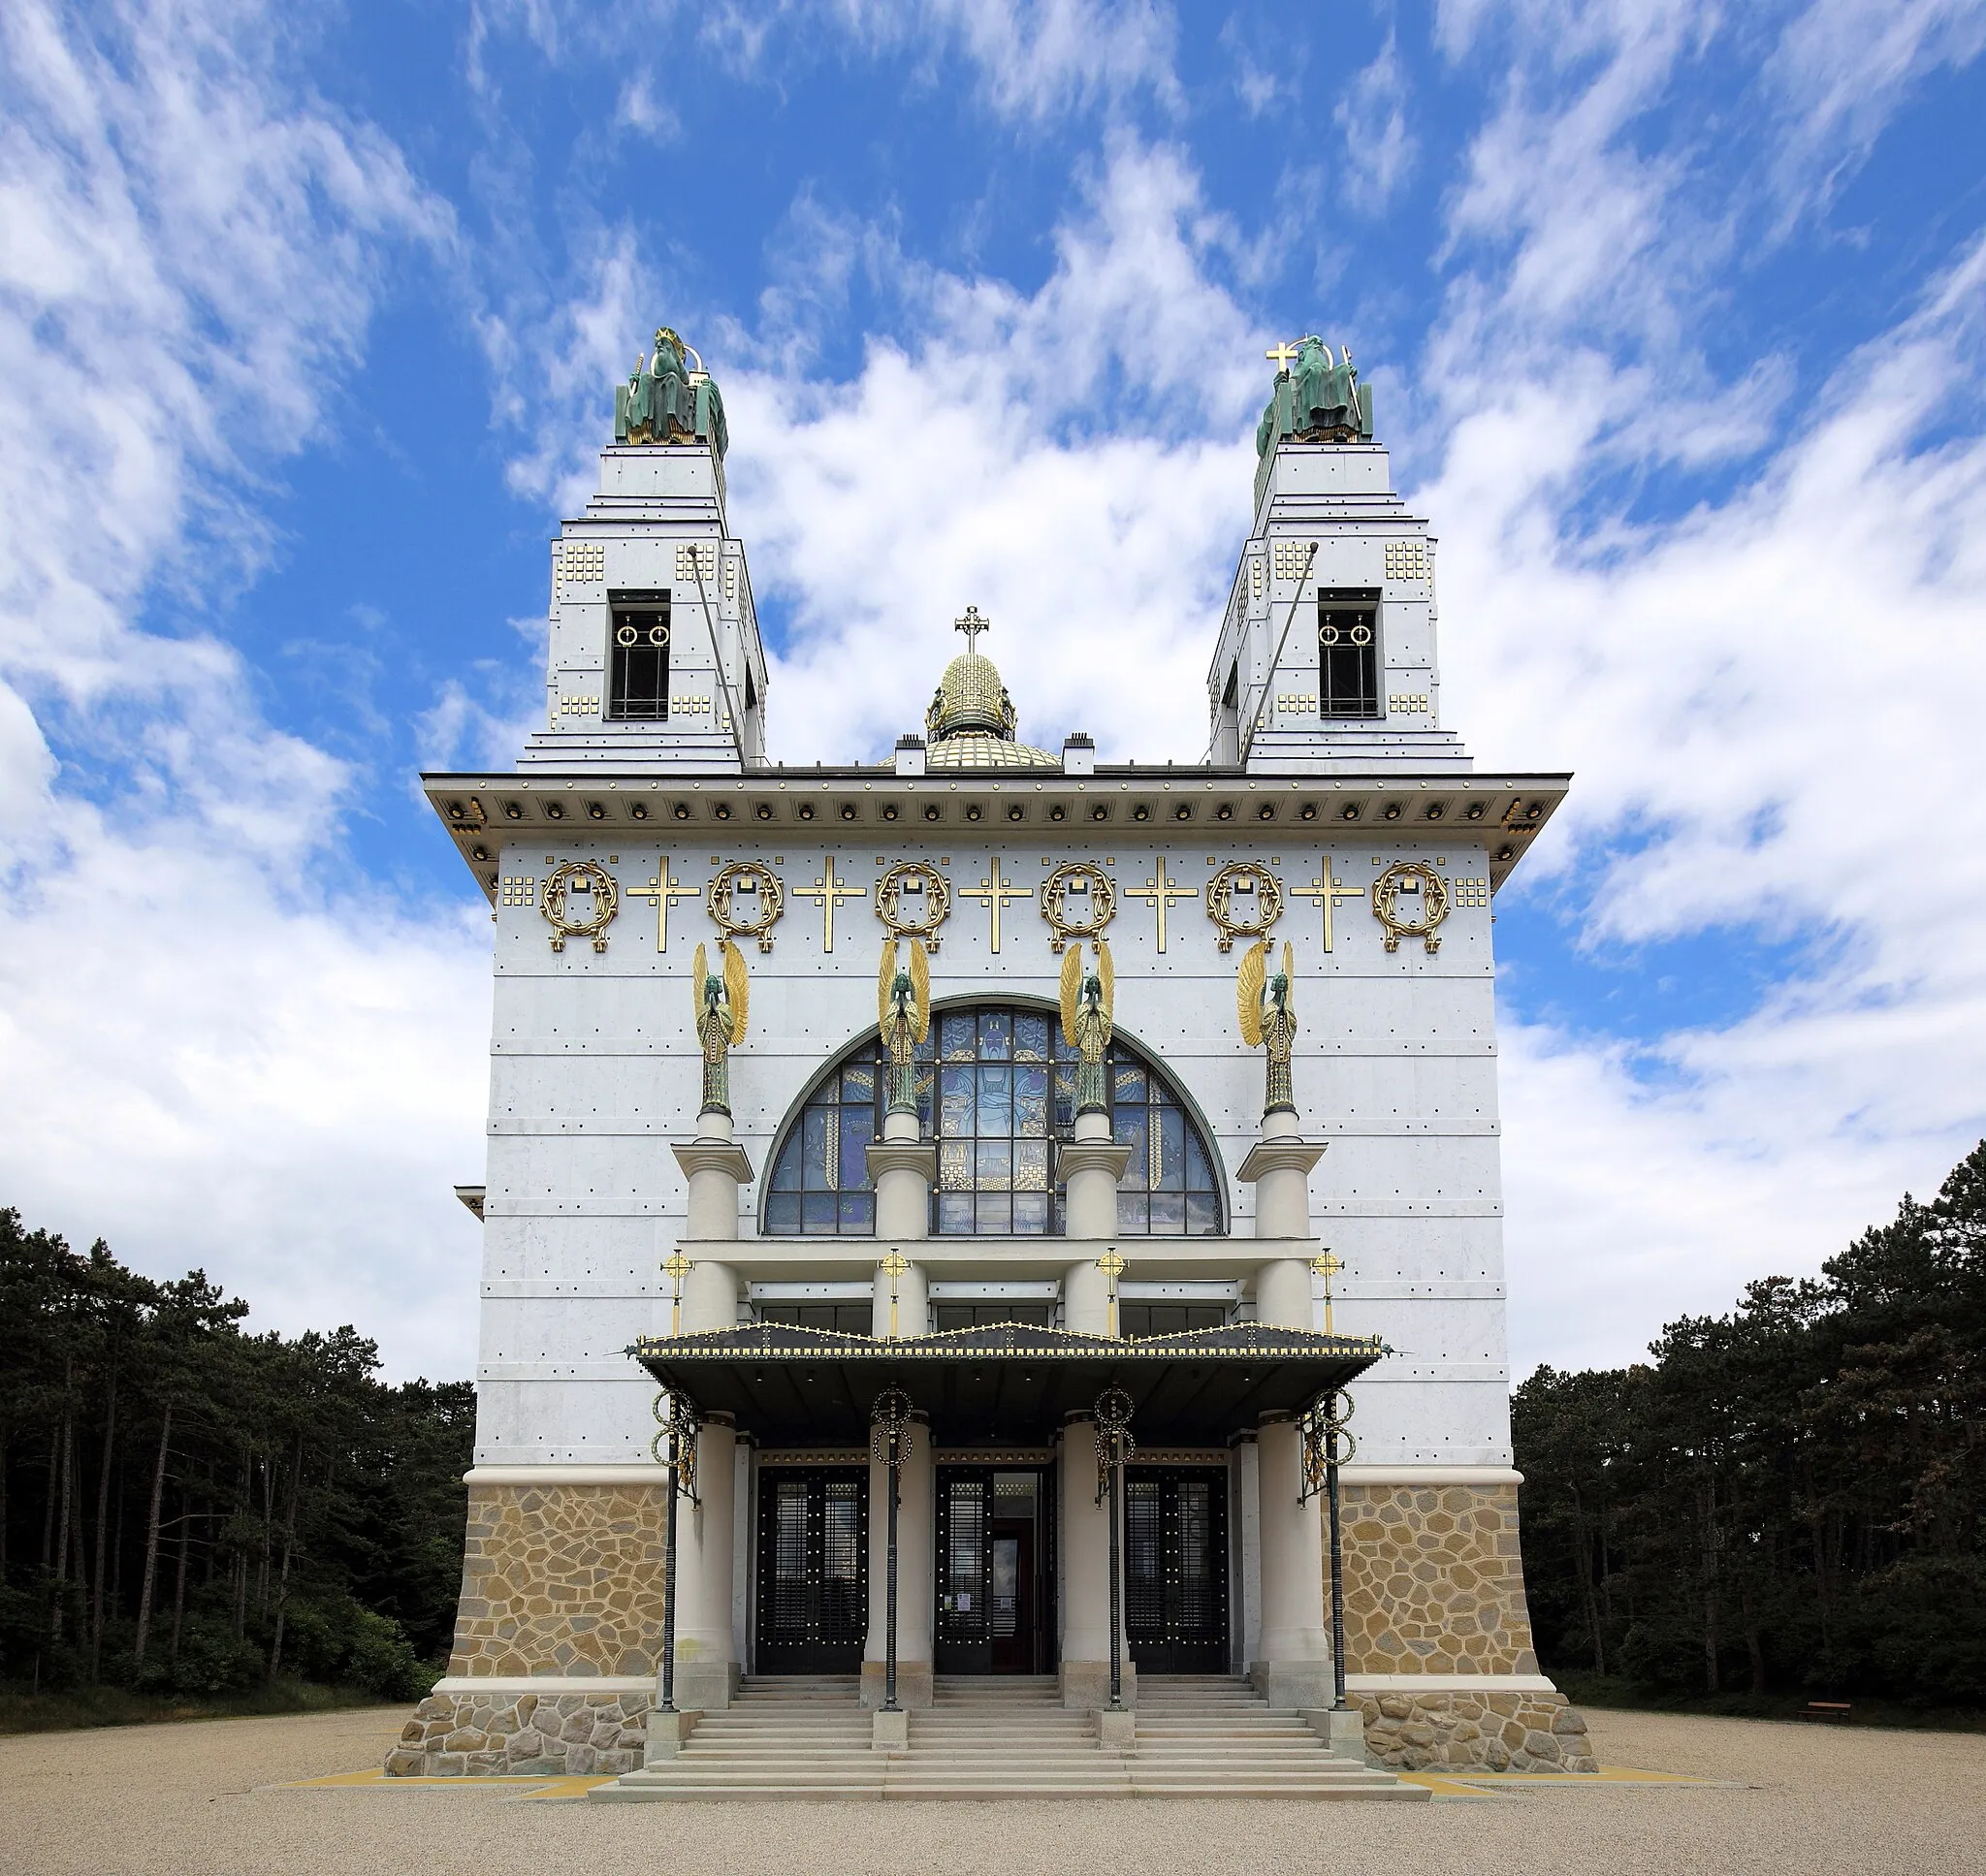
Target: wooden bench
1832, 1710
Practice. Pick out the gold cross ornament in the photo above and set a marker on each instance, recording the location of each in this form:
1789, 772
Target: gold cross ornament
994, 892
827, 891
893, 1266
1111, 1264
1162, 892
1283, 357
664, 889
677, 1266
1326, 892
1327, 1266
972, 625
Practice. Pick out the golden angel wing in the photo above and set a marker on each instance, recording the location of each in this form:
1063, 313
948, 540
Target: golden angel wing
920, 986
884, 977
1248, 983
1106, 974
697, 970
1290, 978
1072, 986
738, 988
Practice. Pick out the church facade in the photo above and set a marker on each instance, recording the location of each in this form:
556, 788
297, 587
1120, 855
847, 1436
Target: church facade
1005, 1091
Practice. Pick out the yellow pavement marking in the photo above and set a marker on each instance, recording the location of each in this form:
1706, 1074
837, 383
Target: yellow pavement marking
528, 1785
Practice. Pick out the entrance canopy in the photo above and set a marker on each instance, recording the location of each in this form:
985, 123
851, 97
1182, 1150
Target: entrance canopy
1006, 1382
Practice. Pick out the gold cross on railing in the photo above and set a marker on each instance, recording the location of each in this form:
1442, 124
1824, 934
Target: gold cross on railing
994, 892
1111, 1264
972, 625
1326, 892
677, 1266
664, 889
1160, 891
1327, 1266
1283, 354
827, 891
893, 1265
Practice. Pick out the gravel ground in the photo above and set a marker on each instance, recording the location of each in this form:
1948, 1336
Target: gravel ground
195, 1799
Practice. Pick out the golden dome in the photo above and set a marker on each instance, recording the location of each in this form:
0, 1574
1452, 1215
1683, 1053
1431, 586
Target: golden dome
971, 721
971, 697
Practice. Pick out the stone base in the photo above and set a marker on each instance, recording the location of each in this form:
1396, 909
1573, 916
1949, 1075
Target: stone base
1460, 1731
667, 1733
914, 1687
1342, 1728
706, 1686
1117, 1730
1299, 1684
1086, 1684
456, 1735
890, 1732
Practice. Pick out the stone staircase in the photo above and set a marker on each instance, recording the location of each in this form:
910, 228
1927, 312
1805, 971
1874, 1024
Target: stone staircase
987, 1736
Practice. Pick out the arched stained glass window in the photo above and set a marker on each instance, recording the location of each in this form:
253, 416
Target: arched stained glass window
995, 1087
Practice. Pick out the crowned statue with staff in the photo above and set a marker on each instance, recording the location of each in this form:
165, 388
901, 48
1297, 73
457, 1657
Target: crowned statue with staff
903, 1014
722, 1001
1263, 1002
1088, 995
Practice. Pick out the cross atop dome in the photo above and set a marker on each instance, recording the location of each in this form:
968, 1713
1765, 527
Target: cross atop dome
972, 625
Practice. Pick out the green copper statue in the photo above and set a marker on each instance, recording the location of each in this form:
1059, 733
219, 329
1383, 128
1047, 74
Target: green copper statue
1317, 399
665, 400
1266, 1008
1087, 1000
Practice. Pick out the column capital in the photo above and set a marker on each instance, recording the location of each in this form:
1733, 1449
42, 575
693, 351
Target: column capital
1287, 1155
903, 1155
1091, 1156
713, 1156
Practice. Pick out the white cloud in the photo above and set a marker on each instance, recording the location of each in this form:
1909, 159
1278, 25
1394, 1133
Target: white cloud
211, 1060
1379, 149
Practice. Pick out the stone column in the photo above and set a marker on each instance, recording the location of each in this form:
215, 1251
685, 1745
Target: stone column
902, 1167
1278, 1167
707, 1670
1083, 1593
914, 1526
1292, 1668
1091, 1164
1292, 1662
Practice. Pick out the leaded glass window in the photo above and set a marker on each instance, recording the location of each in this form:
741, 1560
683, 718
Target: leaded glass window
996, 1086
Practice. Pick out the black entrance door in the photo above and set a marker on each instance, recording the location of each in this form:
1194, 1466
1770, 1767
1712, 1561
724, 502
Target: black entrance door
812, 1569
1176, 1569
994, 1567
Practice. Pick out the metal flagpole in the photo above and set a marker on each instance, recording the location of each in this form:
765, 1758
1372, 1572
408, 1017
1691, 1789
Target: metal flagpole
679, 1428
889, 1443
1114, 1446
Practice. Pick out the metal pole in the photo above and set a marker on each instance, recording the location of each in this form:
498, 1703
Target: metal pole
669, 1587
1116, 1646
1337, 1557
889, 1626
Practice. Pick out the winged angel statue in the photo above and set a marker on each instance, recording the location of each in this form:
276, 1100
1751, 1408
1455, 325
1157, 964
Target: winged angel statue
1269, 1018
1088, 997
903, 1012
721, 1006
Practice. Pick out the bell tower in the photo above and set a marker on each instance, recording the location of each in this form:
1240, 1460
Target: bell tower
1325, 662
654, 662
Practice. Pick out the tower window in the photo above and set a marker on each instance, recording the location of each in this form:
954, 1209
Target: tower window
639, 661
1348, 654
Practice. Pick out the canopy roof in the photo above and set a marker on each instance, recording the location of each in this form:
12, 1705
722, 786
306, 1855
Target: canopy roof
1003, 1384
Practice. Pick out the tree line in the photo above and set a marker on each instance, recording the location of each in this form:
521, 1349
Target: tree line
1788, 1498
187, 1509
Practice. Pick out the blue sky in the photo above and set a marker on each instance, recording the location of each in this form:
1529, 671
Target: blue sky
308, 322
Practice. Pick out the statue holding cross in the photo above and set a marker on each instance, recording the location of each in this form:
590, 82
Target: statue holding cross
1316, 399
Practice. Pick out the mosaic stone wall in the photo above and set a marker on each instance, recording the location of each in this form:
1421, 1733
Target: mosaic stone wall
560, 1579
1525, 1732
1434, 1583
455, 1735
